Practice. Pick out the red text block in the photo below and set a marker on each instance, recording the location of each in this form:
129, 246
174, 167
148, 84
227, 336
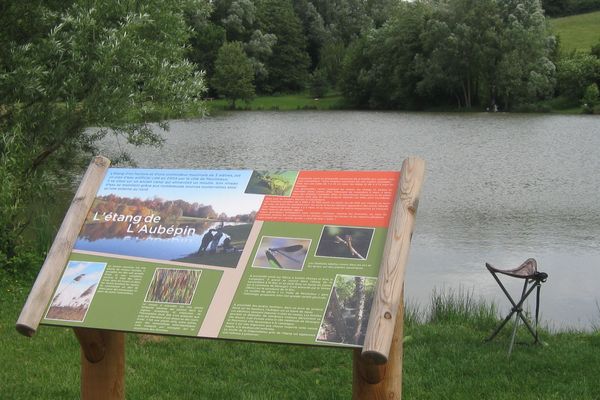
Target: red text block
348, 198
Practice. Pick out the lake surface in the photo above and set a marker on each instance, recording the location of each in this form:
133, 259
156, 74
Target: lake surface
499, 188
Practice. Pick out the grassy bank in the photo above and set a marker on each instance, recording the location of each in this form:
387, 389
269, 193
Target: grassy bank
577, 32
300, 101
287, 102
445, 358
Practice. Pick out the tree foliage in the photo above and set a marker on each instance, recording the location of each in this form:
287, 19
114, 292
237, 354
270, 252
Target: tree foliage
559, 8
577, 72
470, 52
67, 66
233, 73
288, 64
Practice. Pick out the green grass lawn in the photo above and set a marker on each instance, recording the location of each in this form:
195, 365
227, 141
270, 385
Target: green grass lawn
288, 102
577, 32
444, 358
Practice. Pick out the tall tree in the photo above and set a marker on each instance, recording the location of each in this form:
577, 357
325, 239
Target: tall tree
233, 73
524, 72
288, 64
68, 66
488, 49
457, 44
205, 42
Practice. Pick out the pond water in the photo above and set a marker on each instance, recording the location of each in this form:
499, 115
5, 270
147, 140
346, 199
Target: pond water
499, 188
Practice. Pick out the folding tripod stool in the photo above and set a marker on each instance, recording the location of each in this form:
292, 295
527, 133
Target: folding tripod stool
527, 271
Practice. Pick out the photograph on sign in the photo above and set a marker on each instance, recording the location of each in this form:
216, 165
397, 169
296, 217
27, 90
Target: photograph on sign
198, 217
273, 183
175, 286
281, 253
75, 291
345, 242
344, 319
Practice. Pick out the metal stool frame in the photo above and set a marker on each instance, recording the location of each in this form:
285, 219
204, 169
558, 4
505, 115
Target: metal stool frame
533, 281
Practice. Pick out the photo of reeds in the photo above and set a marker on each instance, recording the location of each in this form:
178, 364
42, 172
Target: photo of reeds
274, 183
75, 291
175, 286
345, 242
347, 313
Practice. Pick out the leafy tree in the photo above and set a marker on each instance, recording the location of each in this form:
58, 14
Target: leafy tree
354, 81
259, 48
240, 19
558, 8
459, 45
394, 51
577, 72
318, 83
288, 65
595, 51
67, 66
233, 73
330, 60
346, 20
314, 29
205, 42
591, 97
524, 72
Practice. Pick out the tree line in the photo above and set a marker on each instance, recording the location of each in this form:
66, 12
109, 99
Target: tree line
69, 65
494, 54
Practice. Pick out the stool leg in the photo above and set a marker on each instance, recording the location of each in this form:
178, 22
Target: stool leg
519, 310
514, 334
510, 314
499, 328
537, 312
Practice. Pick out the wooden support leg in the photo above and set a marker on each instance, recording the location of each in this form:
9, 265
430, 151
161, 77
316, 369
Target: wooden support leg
102, 364
380, 382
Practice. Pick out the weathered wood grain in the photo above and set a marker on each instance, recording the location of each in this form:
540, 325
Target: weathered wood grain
91, 342
57, 257
103, 379
380, 382
388, 293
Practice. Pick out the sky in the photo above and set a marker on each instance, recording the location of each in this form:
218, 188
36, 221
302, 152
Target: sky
69, 289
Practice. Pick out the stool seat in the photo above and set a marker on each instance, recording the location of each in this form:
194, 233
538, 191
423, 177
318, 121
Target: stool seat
531, 276
527, 270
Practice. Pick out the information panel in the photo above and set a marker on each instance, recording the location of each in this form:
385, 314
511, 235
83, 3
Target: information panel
275, 256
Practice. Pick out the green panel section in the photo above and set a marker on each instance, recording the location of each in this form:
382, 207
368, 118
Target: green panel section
286, 305
121, 301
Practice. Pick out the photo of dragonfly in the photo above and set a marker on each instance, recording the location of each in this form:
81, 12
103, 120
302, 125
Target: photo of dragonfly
281, 253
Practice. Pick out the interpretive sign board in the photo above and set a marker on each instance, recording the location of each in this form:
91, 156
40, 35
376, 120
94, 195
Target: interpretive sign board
274, 256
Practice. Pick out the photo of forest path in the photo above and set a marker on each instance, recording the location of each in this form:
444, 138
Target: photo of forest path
176, 286
347, 313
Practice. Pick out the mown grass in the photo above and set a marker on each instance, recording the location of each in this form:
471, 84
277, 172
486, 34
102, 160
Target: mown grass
445, 357
287, 102
577, 32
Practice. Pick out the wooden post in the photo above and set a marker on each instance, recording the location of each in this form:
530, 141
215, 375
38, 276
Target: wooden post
57, 257
102, 364
371, 381
390, 284
377, 369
